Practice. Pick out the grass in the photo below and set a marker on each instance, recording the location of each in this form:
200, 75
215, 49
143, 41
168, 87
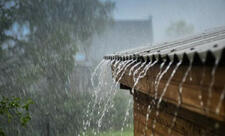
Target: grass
127, 132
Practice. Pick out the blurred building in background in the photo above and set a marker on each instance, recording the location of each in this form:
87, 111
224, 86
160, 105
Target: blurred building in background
121, 35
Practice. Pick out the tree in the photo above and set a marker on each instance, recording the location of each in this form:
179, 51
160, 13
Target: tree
179, 28
38, 65
11, 108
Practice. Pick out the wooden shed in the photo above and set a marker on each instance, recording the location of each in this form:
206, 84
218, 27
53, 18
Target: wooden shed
178, 87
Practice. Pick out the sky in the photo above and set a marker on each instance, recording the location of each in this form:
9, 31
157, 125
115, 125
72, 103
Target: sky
203, 14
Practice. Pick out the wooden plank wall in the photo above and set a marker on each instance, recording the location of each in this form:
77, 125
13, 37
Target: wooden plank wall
188, 123
192, 87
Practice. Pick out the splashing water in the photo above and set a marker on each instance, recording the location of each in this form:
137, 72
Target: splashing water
126, 115
143, 74
132, 62
117, 66
132, 90
136, 81
136, 71
160, 77
222, 95
138, 77
112, 93
95, 72
157, 77
144, 71
133, 67
147, 118
123, 66
212, 83
117, 62
100, 80
180, 90
201, 83
127, 112
100, 99
166, 86
156, 90
106, 107
139, 70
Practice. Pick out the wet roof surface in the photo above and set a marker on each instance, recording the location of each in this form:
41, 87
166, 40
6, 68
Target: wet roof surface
210, 42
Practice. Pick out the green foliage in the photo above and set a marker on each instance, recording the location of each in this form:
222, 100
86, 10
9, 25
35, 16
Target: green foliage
126, 132
13, 108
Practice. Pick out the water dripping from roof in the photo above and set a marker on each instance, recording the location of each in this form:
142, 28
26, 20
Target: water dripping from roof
138, 77
157, 77
113, 91
136, 71
133, 67
102, 66
160, 77
201, 91
126, 115
156, 90
212, 82
95, 71
180, 90
222, 95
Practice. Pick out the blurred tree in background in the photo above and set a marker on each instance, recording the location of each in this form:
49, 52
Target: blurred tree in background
179, 29
38, 40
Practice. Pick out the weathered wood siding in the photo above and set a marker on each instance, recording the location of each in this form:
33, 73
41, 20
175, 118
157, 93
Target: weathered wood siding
192, 88
193, 119
187, 123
